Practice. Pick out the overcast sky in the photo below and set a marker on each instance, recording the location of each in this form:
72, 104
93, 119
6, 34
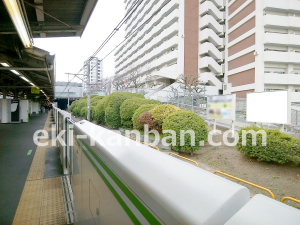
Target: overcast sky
72, 52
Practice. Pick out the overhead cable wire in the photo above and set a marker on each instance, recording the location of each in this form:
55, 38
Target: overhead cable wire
116, 29
137, 29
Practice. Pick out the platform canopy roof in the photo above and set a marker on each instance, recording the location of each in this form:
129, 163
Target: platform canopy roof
22, 65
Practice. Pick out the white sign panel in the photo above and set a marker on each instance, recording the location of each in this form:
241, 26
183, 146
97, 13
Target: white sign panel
268, 107
221, 107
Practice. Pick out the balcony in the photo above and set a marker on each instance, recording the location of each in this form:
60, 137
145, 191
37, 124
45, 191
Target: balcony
275, 21
282, 57
211, 79
210, 22
142, 58
286, 5
210, 8
219, 3
208, 62
155, 64
211, 36
163, 33
282, 39
161, 14
154, 25
284, 79
209, 49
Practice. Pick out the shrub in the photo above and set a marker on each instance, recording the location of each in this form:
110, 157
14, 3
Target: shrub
79, 105
280, 147
114, 95
159, 113
112, 110
185, 120
95, 99
146, 118
76, 108
138, 112
99, 111
127, 110
83, 112
129, 107
137, 95
72, 106
152, 101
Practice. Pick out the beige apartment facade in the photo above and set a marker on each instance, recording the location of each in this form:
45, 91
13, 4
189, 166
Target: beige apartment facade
237, 46
262, 46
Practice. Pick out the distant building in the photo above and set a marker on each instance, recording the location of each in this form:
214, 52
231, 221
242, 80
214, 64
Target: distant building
73, 90
95, 68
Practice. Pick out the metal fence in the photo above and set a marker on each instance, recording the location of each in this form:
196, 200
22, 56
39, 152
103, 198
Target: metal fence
197, 102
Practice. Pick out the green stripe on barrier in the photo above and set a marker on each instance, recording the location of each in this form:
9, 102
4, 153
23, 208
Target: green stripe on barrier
143, 210
29, 152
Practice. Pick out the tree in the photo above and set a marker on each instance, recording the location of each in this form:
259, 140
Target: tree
135, 78
190, 83
102, 85
119, 82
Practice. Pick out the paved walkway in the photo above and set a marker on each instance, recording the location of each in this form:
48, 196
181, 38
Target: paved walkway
25, 197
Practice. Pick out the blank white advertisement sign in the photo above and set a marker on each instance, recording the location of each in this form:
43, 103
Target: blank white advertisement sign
268, 107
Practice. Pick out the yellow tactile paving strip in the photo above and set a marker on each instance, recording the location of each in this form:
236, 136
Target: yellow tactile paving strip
42, 199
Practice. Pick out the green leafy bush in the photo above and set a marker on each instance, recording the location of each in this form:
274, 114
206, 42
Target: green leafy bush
113, 96
146, 118
127, 110
183, 120
159, 113
92, 96
99, 111
152, 101
72, 106
129, 107
112, 110
83, 112
280, 147
78, 106
138, 112
94, 101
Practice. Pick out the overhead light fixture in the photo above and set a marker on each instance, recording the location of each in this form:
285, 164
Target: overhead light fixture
4, 64
15, 72
14, 10
24, 78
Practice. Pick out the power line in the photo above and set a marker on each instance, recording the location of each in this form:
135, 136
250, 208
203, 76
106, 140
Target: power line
116, 29
137, 29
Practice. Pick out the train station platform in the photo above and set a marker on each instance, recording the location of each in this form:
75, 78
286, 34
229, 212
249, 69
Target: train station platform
27, 196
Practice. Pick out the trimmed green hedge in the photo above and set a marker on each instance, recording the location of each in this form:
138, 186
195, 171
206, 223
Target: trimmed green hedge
129, 107
99, 111
280, 147
79, 104
83, 112
138, 112
112, 107
185, 120
159, 113
114, 95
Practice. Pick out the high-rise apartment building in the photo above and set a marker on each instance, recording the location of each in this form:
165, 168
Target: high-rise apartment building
93, 67
238, 46
262, 46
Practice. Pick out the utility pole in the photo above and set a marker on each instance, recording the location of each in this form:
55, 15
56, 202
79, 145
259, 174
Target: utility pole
68, 93
88, 83
88, 90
